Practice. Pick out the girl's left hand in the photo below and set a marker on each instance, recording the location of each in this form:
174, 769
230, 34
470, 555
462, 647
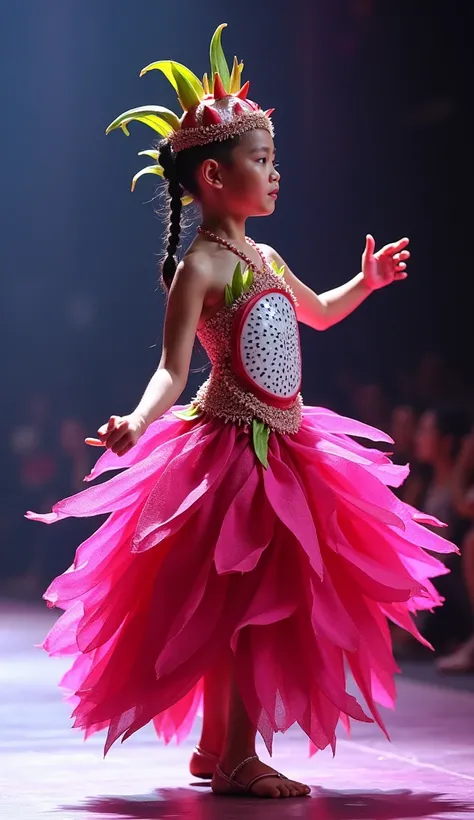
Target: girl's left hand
387, 265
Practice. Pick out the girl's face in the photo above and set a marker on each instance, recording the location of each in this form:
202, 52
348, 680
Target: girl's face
248, 186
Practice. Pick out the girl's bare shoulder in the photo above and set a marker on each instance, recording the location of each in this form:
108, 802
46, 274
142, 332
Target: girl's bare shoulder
195, 265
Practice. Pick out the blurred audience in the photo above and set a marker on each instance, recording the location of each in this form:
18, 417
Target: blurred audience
403, 429
371, 404
426, 408
439, 437
462, 659
403, 424
48, 460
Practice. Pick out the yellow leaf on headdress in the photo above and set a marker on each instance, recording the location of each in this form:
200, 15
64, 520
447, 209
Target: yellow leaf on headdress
237, 68
156, 123
218, 60
205, 83
188, 87
187, 199
149, 153
150, 169
187, 94
160, 119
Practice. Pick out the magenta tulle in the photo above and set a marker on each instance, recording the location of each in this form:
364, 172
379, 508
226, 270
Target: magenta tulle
298, 568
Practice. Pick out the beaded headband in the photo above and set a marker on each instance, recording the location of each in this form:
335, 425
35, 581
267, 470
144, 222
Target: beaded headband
215, 109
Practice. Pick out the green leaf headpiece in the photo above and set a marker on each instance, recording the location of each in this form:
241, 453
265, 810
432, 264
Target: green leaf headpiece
215, 108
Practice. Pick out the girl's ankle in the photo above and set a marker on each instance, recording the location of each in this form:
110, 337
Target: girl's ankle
212, 742
232, 757
208, 749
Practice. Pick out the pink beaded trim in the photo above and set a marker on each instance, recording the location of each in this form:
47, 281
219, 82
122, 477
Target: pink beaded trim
220, 396
189, 137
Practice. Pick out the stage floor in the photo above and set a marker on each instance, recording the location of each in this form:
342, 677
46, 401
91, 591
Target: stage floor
46, 770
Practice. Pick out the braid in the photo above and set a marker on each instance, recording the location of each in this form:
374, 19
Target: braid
168, 164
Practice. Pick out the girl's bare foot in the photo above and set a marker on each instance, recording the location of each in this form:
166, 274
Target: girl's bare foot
255, 778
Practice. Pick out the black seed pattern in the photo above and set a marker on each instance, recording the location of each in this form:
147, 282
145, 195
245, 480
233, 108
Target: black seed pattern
269, 345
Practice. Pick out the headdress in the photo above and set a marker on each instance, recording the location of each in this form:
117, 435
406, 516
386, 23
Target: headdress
214, 109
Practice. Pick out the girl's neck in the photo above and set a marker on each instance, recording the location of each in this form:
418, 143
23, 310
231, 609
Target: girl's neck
227, 227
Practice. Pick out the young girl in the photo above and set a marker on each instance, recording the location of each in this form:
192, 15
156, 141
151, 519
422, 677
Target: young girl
253, 548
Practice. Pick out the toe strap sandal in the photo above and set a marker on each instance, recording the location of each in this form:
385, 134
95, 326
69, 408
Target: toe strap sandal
226, 784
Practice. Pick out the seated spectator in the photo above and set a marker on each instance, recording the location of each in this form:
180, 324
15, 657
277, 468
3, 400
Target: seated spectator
403, 427
403, 424
432, 378
438, 440
437, 444
462, 659
371, 404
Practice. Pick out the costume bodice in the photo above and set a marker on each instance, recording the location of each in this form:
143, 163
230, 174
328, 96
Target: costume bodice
224, 394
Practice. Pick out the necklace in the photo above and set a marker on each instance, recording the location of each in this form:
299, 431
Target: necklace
230, 247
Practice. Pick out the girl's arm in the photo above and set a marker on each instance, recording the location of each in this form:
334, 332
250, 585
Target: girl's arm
183, 311
326, 309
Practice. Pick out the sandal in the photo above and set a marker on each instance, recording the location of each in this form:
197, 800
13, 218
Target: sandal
202, 763
226, 784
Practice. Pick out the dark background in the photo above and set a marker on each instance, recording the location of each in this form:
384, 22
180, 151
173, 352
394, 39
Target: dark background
374, 134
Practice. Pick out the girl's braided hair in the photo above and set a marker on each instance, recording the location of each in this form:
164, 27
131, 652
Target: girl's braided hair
179, 170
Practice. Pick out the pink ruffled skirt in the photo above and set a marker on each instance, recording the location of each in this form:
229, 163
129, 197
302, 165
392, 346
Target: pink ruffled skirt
297, 568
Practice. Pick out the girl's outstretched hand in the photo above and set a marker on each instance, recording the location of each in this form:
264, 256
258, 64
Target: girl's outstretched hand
120, 434
386, 265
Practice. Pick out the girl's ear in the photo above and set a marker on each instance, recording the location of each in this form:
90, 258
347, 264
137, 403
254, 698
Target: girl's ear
210, 173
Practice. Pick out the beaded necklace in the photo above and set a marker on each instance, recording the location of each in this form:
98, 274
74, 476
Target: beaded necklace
226, 244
